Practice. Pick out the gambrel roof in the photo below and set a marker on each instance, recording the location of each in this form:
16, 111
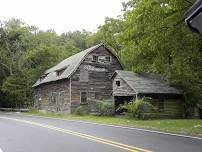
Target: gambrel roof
69, 66
146, 84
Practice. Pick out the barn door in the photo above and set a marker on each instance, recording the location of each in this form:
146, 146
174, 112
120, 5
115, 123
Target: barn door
60, 101
54, 100
58, 106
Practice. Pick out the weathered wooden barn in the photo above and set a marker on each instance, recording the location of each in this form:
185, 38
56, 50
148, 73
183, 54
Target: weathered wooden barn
128, 85
85, 75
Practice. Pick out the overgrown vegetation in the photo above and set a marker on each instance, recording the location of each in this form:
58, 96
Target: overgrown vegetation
138, 108
82, 110
151, 37
96, 107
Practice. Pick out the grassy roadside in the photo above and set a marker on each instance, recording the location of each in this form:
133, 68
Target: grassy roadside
182, 126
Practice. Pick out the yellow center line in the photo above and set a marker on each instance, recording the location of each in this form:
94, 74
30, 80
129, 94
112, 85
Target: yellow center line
89, 137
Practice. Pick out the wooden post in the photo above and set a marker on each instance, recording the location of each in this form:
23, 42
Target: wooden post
113, 102
136, 96
70, 90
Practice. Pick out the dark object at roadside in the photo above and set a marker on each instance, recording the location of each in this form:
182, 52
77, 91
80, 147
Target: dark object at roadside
193, 17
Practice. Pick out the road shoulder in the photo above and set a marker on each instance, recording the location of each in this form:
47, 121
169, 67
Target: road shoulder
120, 126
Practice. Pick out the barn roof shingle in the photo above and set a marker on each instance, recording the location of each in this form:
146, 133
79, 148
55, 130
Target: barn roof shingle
146, 84
70, 65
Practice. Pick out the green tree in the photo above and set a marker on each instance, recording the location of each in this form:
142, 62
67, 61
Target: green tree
77, 38
18, 86
155, 39
25, 53
108, 34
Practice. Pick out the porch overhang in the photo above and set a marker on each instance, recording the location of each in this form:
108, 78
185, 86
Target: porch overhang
121, 94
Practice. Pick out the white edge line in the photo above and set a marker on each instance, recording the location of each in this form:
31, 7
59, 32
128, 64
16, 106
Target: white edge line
1, 150
124, 127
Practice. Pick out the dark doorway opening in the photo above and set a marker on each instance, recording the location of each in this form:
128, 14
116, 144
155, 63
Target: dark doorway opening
200, 113
120, 100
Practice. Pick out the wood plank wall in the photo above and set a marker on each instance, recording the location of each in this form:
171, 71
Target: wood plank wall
99, 85
45, 91
124, 89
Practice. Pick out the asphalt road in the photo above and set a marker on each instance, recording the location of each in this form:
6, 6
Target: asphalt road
19, 133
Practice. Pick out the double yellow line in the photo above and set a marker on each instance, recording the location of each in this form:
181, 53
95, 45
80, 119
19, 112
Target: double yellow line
85, 136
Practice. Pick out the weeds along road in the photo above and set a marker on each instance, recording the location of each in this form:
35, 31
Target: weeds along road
20, 133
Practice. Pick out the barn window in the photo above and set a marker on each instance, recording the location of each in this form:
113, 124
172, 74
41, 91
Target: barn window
161, 104
36, 97
60, 71
43, 76
108, 59
84, 75
83, 97
95, 58
118, 83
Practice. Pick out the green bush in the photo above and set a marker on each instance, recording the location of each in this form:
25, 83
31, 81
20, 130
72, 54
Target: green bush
96, 107
138, 108
107, 108
33, 110
82, 110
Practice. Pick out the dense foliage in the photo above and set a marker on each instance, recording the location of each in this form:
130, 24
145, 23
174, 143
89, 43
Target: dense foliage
154, 38
25, 52
138, 108
96, 107
151, 37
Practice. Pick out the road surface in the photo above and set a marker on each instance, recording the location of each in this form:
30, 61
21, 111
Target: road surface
20, 133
